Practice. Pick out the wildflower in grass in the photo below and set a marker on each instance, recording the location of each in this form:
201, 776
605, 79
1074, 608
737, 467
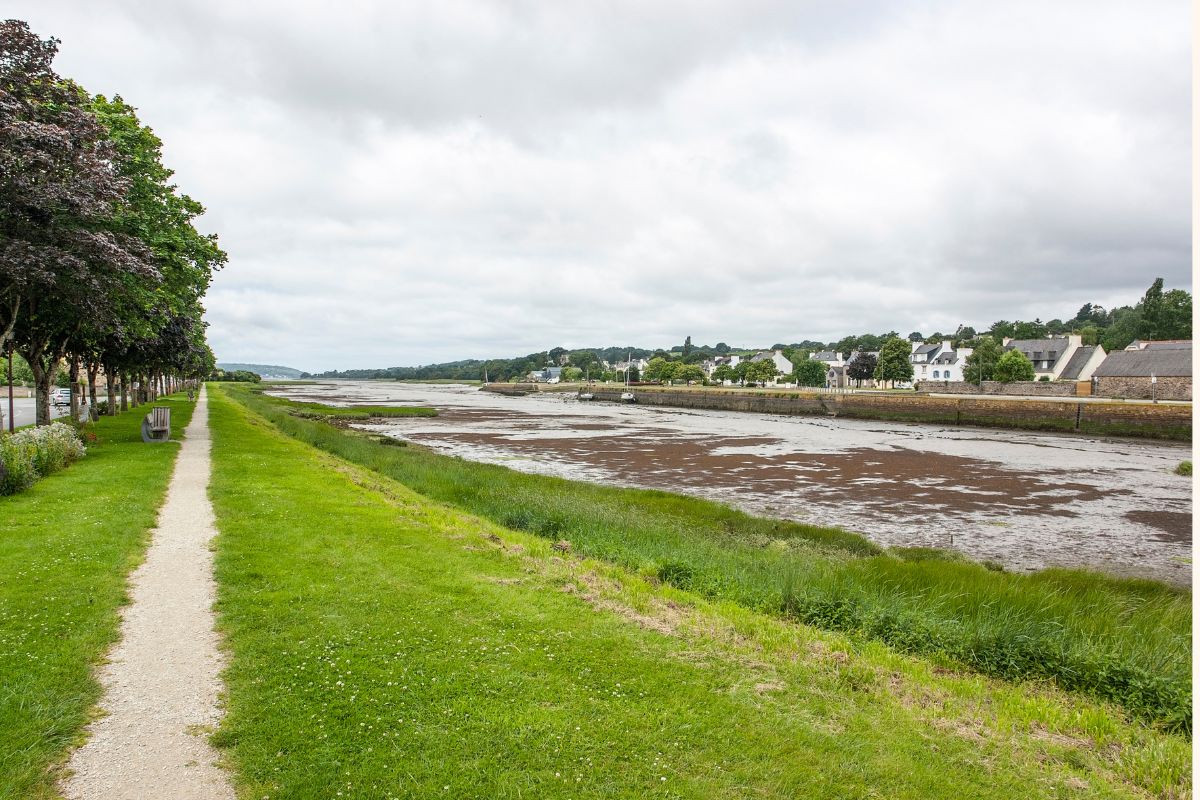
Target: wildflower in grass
33, 453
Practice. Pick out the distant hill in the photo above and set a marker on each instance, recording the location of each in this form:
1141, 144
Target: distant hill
265, 370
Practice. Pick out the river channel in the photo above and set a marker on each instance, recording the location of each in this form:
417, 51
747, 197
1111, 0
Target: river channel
1025, 500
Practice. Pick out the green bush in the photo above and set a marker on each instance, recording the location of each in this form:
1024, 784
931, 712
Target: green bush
1184, 468
33, 453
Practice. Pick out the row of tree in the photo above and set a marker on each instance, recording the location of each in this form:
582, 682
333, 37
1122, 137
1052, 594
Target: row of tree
101, 266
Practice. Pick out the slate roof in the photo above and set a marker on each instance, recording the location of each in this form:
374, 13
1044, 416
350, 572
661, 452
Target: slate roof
1168, 344
824, 355
1142, 363
926, 348
1079, 360
1039, 349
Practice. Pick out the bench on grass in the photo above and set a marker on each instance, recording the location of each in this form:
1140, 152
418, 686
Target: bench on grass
156, 427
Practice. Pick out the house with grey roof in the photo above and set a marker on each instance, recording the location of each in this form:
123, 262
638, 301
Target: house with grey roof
782, 365
1051, 355
1083, 363
940, 361
830, 357
1149, 372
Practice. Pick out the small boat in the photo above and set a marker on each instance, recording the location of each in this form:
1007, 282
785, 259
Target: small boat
628, 397
586, 396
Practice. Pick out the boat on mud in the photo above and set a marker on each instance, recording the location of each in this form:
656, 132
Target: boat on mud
628, 397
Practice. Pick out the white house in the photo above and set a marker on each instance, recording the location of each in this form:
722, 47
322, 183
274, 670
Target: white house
830, 357
782, 365
940, 361
710, 365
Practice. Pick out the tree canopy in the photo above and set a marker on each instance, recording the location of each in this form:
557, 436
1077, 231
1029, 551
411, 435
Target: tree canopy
1013, 365
99, 261
895, 363
981, 363
810, 373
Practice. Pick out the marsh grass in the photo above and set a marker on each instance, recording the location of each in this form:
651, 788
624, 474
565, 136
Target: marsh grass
354, 413
1126, 641
66, 546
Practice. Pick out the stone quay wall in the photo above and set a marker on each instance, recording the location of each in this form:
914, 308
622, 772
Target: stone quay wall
1147, 420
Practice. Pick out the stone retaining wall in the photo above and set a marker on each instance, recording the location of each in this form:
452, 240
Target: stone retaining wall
1168, 387
1117, 419
1024, 388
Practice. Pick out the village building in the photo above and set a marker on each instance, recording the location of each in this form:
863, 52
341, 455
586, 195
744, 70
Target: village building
782, 364
940, 361
710, 365
1052, 355
1147, 371
546, 375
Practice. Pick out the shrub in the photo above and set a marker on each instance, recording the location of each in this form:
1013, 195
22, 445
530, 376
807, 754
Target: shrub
33, 453
1184, 468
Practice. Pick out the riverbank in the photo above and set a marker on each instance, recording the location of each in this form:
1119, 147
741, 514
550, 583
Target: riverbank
415, 649
1092, 417
66, 546
1077, 628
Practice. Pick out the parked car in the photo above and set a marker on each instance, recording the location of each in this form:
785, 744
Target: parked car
60, 397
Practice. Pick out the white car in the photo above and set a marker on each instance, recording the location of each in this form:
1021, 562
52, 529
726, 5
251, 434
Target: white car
60, 397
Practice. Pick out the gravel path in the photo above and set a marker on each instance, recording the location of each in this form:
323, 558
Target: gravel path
162, 683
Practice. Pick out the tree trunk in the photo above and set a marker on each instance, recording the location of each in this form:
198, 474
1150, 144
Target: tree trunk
110, 387
74, 373
93, 370
43, 380
125, 391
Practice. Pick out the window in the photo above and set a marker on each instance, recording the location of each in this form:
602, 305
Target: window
935, 373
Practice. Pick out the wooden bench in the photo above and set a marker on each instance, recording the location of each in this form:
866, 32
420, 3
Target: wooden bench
156, 427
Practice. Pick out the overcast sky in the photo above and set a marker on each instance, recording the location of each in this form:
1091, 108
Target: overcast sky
400, 183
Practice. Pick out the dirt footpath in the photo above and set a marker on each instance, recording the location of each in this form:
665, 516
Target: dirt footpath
161, 685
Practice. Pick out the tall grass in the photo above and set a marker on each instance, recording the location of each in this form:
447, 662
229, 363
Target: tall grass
319, 410
1127, 641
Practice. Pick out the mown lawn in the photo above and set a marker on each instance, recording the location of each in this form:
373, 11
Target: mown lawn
384, 645
66, 547
1128, 641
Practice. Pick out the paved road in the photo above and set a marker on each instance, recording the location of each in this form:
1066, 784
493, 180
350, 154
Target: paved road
25, 412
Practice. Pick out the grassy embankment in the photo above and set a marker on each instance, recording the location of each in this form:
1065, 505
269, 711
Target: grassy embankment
1126, 641
353, 413
66, 546
384, 645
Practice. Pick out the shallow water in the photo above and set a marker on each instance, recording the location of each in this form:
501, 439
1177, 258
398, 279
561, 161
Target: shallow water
1026, 500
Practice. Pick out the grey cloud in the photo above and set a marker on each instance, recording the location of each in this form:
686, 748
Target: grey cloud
404, 183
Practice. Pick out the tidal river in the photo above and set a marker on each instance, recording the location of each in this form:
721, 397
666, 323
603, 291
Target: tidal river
1026, 500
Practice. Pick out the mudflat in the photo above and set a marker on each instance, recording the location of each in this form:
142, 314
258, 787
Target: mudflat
1026, 500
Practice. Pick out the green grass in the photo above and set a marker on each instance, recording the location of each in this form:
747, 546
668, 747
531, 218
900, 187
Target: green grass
66, 546
384, 645
1128, 641
1184, 468
320, 410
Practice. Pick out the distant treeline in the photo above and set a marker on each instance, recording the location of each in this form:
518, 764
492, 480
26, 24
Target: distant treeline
1158, 315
